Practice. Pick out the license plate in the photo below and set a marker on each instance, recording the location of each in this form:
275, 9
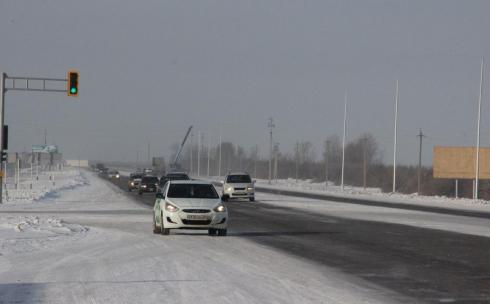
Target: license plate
196, 217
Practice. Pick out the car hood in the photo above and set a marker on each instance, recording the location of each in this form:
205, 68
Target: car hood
204, 203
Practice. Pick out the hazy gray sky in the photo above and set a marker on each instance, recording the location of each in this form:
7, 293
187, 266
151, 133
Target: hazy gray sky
149, 69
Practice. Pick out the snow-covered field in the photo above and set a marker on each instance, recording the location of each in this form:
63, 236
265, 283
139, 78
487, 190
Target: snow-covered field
92, 243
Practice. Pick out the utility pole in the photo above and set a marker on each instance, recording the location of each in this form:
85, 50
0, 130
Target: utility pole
220, 144
477, 170
297, 161
199, 135
394, 142
276, 154
343, 143
191, 152
271, 127
327, 146
364, 166
209, 154
45, 136
148, 150
419, 173
256, 154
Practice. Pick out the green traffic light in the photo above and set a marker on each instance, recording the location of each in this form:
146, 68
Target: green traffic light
73, 90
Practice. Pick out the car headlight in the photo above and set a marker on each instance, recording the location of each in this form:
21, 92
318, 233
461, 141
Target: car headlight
132, 183
143, 186
229, 188
220, 208
250, 188
170, 207
117, 175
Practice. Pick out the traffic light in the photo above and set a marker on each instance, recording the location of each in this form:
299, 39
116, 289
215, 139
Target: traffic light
72, 83
4, 156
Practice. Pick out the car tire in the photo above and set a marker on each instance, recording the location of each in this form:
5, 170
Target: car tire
164, 231
156, 229
222, 232
225, 199
252, 199
211, 231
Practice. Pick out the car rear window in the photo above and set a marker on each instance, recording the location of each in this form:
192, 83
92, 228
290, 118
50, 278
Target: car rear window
150, 179
192, 191
177, 177
238, 179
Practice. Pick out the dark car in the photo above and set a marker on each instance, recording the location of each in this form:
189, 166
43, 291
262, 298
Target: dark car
134, 181
148, 184
172, 176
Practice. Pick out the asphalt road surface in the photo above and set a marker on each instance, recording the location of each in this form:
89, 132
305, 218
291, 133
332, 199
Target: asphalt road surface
426, 265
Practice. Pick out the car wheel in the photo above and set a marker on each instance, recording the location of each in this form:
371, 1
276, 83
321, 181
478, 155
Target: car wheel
156, 229
225, 198
164, 231
222, 232
252, 199
211, 231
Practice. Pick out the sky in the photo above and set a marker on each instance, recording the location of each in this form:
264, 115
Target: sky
149, 69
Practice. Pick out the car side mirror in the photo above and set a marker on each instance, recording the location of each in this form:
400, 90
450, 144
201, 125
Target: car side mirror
160, 195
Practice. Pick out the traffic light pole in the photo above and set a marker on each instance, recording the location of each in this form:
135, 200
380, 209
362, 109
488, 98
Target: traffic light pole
35, 84
2, 108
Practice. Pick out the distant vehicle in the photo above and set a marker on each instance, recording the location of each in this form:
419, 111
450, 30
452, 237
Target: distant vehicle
147, 171
148, 184
113, 174
189, 205
170, 177
134, 181
238, 185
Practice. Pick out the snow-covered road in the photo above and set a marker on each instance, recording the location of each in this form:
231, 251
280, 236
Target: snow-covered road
93, 244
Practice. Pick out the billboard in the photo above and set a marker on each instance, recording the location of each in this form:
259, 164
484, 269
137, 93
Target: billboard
460, 162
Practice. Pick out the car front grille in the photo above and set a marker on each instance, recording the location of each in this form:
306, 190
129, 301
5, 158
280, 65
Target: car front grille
190, 222
239, 189
196, 210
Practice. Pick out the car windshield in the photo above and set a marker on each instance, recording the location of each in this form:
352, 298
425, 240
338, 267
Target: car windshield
177, 177
238, 179
192, 191
150, 179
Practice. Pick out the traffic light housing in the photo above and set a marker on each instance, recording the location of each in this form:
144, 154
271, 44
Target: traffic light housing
72, 88
4, 156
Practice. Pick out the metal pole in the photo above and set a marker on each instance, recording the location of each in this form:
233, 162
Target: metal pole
297, 161
199, 153
394, 142
220, 144
343, 143
2, 109
271, 127
364, 167
327, 145
255, 160
192, 152
419, 173
456, 189
477, 170
209, 154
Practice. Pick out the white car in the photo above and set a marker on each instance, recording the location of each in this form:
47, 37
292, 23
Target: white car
189, 204
238, 185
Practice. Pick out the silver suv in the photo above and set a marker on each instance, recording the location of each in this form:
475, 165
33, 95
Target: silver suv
238, 185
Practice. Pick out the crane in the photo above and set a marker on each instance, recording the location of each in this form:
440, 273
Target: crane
175, 165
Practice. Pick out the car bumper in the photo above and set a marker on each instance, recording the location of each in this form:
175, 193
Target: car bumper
179, 220
240, 194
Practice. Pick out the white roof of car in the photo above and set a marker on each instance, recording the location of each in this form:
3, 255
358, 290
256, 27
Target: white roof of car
200, 182
238, 173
